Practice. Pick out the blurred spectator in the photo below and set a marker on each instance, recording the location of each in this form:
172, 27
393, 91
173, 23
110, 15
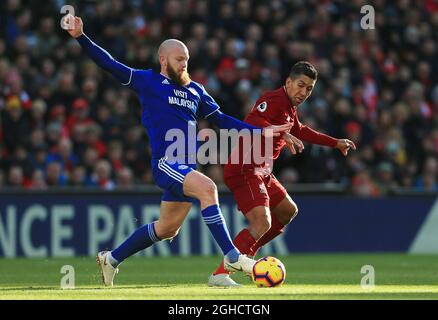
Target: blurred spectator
64, 155
115, 155
124, 178
101, 175
53, 134
385, 178
363, 185
427, 180
93, 133
89, 159
38, 181
55, 175
78, 177
20, 157
39, 108
15, 123
15, 177
289, 176
79, 115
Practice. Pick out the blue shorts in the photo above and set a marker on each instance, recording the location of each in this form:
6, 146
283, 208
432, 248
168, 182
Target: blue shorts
170, 178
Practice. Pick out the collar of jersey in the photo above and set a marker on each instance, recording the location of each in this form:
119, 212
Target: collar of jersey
187, 86
287, 98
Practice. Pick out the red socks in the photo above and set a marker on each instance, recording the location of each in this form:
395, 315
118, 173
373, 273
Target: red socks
246, 243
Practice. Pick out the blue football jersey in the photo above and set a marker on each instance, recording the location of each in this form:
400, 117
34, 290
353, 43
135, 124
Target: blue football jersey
166, 105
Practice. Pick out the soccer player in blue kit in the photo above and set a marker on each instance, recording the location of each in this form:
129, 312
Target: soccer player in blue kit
170, 100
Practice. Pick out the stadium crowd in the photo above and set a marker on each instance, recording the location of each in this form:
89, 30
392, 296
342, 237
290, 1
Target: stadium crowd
65, 122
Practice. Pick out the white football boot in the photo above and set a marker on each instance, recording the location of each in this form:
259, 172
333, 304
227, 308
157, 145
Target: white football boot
106, 269
222, 280
244, 264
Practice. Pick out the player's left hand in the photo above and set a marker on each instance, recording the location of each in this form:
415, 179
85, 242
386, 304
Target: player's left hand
293, 141
344, 145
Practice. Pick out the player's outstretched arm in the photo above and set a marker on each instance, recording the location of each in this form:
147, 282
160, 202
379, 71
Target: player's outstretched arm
224, 121
102, 58
210, 110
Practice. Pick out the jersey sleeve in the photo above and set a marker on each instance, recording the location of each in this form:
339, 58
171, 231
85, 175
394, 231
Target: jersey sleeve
139, 79
133, 78
224, 121
268, 110
307, 134
210, 110
207, 105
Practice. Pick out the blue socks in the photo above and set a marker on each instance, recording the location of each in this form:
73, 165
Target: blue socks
233, 255
145, 236
214, 219
142, 238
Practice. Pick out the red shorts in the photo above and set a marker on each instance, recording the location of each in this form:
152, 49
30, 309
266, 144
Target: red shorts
252, 190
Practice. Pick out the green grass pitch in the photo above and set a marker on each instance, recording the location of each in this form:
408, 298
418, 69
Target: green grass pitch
309, 276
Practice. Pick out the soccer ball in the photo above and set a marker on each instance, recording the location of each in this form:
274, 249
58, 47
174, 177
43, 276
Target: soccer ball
268, 272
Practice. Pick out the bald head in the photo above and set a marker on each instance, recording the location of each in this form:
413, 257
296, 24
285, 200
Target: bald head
174, 57
172, 45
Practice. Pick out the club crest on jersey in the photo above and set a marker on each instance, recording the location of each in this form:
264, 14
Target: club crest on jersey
192, 90
262, 106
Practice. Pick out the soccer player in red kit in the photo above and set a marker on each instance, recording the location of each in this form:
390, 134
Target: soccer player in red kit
259, 195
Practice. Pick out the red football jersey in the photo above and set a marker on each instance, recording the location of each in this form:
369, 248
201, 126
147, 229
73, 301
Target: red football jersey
275, 108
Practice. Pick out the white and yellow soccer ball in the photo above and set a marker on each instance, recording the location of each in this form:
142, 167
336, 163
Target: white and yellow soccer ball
268, 272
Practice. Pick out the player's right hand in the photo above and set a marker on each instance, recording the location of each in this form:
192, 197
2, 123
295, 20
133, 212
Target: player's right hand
293, 141
74, 26
344, 146
276, 131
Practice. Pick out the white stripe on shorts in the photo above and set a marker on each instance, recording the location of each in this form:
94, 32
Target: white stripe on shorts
164, 164
171, 173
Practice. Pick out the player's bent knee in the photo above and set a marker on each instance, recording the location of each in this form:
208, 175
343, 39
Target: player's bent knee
294, 210
291, 214
167, 229
208, 192
201, 187
169, 234
210, 188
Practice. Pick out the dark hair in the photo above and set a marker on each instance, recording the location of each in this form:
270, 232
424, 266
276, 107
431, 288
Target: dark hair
305, 68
